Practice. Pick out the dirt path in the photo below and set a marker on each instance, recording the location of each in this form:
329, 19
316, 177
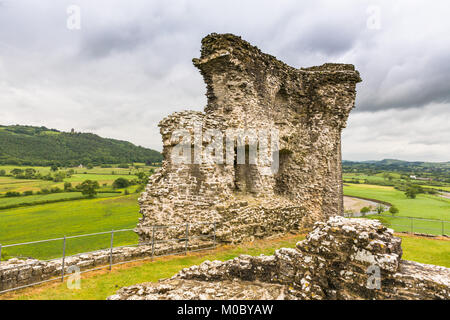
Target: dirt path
356, 204
445, 195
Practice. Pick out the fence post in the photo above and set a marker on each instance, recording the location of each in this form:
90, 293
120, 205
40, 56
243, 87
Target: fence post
0, 252
153, 241
443, 233
187, 239
214, 234
63, 259
412, 225
111, 251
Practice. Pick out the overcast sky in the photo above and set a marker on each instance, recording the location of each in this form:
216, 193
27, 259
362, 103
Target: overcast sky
129, 64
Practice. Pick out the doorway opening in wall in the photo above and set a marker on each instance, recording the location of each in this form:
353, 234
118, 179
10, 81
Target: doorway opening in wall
282, 176
245, 174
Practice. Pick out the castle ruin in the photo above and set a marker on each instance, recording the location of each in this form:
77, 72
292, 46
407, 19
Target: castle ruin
250, 90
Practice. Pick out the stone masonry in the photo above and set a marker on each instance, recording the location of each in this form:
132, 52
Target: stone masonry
250, 90
338, 260
16, 273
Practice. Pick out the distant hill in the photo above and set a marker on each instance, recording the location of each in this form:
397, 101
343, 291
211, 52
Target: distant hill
438, 170
28, 145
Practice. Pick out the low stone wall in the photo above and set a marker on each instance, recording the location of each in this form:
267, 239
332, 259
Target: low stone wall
16, 273
339, 259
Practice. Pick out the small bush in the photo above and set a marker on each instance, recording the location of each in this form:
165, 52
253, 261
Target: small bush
120, 183
393, 210
55, 190
11, 194
364, 210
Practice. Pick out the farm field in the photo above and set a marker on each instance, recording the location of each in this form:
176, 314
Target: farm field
99, 285
20, 185
47, 197
94, 170
424, 206
69, 218
31, 220
102, 175
440, 187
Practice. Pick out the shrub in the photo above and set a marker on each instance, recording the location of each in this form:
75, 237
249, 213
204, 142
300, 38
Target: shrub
393, 210
10, 194
28, 193
120, 183
364, 210
88, 188
55, 190
411, 193
67, 186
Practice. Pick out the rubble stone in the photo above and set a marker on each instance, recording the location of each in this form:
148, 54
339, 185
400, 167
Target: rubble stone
333, 262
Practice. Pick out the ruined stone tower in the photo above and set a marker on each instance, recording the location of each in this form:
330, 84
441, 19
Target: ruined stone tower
247, 89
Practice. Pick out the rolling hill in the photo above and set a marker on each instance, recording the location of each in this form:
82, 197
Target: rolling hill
40, 146
439, 171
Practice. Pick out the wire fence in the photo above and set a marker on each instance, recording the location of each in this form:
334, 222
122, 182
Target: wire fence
433, 227
208, 241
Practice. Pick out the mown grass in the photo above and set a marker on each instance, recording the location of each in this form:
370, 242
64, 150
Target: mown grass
428, 251
98, 285
68, 218
47, 197
424, 206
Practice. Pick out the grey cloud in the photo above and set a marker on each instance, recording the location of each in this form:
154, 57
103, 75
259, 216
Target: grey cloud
121, 38
130, 64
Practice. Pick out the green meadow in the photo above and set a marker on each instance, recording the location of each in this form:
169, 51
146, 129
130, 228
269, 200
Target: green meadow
424, 206
47, 197
102, 175
70, 218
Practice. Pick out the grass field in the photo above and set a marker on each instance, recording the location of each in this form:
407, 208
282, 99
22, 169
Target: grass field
21, 185
94, 170
424, 206
47, 197
98, 285
439, 187
102, 175
54, 220
68, 218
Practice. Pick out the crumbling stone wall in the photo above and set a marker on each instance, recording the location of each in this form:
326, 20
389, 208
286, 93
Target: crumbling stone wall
247, 89
337, 260
16, 273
